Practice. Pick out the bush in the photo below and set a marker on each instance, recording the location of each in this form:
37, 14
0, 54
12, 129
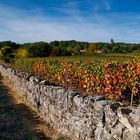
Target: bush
22, 53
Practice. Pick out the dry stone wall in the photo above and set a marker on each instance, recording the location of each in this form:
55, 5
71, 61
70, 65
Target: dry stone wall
79, 117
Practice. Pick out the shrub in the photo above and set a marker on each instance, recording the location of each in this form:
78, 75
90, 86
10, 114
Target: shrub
22, 53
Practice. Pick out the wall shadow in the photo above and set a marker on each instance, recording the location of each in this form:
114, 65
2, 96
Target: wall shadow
18, 121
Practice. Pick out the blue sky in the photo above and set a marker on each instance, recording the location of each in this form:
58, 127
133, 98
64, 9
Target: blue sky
83, 20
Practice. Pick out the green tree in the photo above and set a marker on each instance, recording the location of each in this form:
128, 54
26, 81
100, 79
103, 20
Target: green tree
69, 50
38, 49
76, 50
6, 50
6, 54
112, 41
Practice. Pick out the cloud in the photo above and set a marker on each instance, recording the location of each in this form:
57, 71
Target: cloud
28, 26
100, 5
70, 9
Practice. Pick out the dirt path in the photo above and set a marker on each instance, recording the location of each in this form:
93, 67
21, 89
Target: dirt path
18, 121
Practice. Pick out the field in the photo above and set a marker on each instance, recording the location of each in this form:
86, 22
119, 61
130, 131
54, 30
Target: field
116, 77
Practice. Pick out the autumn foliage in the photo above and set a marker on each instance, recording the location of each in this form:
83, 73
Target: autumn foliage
110, 79
22, 52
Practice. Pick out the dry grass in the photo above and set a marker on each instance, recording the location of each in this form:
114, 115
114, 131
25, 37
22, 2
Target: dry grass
18, 121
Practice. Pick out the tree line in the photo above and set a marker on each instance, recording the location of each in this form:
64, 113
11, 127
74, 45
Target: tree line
9, 49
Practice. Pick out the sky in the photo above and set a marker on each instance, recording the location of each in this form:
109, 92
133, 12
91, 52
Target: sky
82, 20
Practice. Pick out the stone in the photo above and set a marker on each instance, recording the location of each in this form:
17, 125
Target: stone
44, 82
99, 98
127, 135
73, 114
130, 118
33, 80
111, 117
103, 102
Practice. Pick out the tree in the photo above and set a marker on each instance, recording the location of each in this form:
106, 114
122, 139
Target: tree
6, 54
69, 50
91, 49
76, 50
6, 50
11, 44
55, 51
38, 49
112, 41
115, 49
54, 43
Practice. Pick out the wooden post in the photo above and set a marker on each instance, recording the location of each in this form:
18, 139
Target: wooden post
131, 104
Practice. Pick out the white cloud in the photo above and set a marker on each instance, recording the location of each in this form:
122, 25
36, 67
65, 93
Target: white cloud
100, 5
22, 26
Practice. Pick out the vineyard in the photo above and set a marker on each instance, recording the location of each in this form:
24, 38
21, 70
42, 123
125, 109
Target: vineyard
116, 78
